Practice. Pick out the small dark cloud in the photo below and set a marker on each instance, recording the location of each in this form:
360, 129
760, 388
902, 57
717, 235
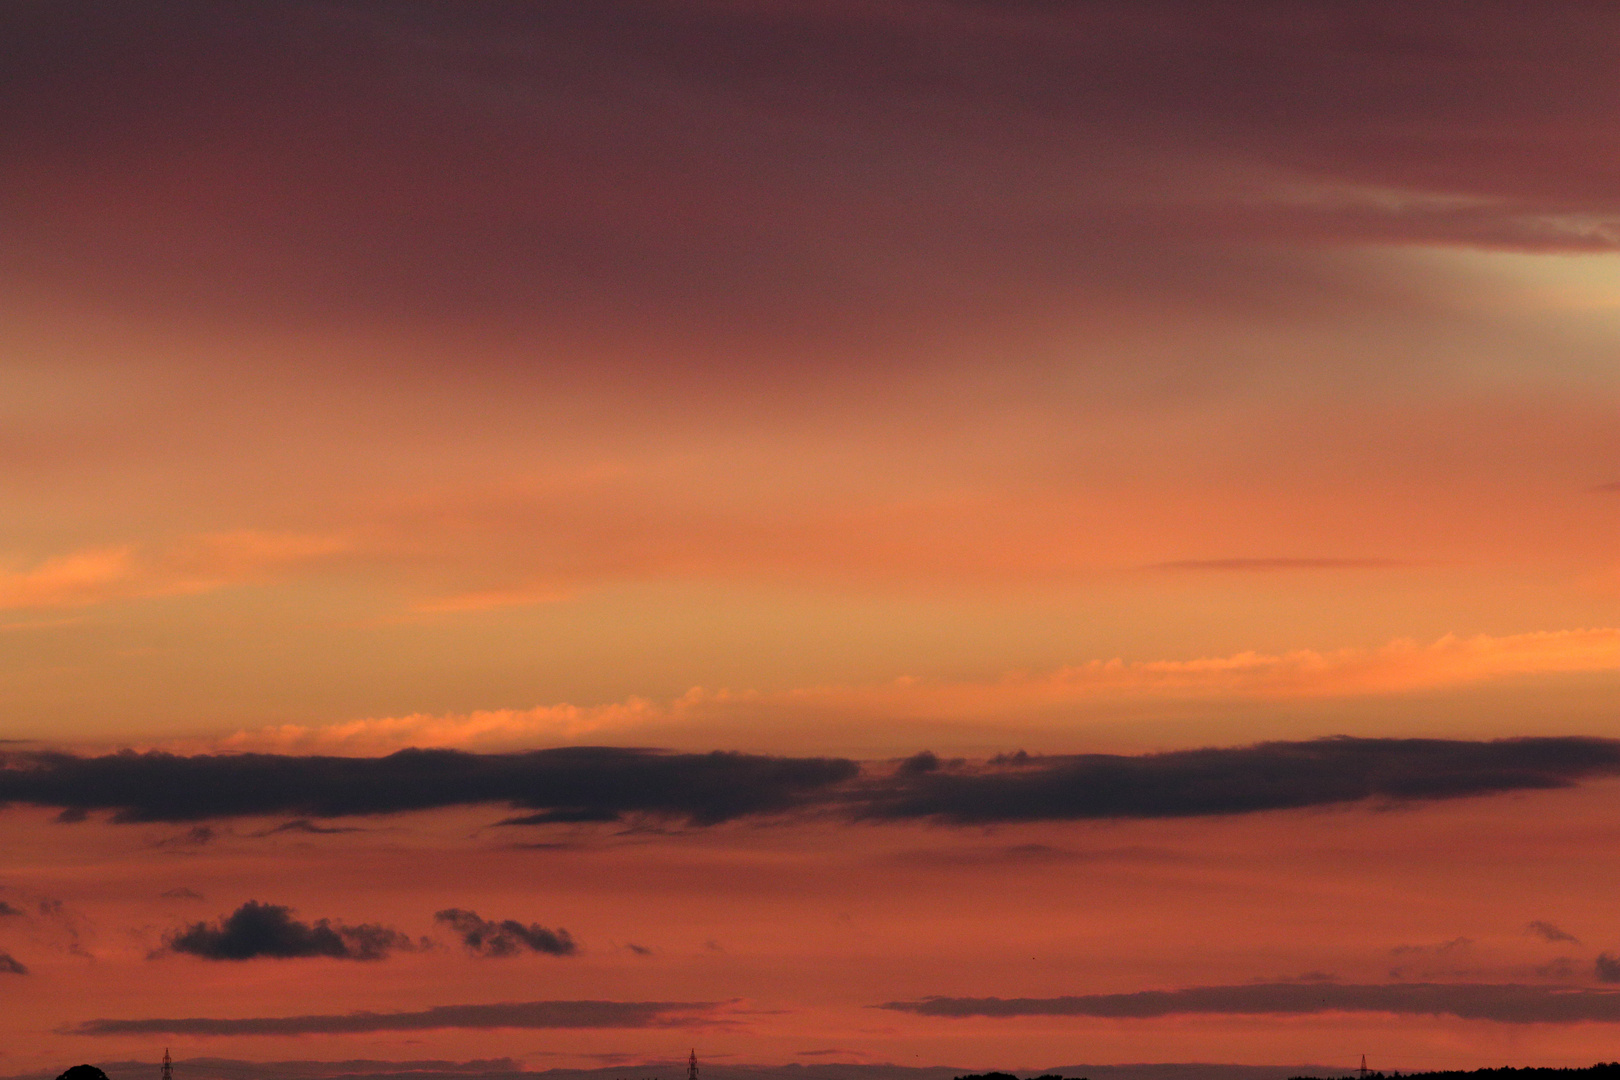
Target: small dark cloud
257, 930
304, 825
181, 894
1608, 968
639, 950
10, 965
196, 836
525, 1015
1503, 1003
8, 910
578, 816
1548, 932
831, 1052
485, 937
1444, 948
1265, 565
925, 762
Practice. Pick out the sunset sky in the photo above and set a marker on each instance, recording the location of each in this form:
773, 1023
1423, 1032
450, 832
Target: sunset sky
713, 438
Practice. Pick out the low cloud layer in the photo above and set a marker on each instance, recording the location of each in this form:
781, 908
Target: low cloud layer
593, 784
485, 937
600, 783
257, 930
10, 965
520, 1014
1504, 1003
1237, 780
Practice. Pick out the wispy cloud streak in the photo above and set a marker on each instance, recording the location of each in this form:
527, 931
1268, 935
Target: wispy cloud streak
1507, 1003
1401, 666
523, 1014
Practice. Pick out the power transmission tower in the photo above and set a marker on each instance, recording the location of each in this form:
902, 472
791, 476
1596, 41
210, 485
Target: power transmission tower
1362, 1071
168, 1065
691, 1067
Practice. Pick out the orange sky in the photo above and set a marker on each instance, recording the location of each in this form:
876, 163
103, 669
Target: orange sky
810, 379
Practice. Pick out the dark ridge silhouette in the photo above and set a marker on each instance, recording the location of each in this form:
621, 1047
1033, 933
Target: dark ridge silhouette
217, 1068
1609, 1070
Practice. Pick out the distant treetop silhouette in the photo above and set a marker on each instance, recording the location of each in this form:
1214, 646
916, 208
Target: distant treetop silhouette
83, 1072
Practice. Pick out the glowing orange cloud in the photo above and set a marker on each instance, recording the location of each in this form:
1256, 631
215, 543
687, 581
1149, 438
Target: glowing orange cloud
1402, 666
93, 576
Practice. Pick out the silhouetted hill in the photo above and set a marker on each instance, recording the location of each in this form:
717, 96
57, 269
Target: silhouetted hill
1601, 1071
208, 1068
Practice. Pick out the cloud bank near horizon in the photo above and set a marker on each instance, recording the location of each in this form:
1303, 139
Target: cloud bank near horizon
1508, 1003
605, 784
524, 1014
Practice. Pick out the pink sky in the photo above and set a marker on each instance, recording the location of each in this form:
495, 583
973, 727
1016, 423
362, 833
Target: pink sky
812, 381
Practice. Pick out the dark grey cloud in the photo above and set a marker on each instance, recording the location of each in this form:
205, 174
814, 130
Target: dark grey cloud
600, 783
10, 965
1443, 948
1505, 1003
524, 1014
1607, 968
585, 784
8, 909
257, 930
508, 937
1266, 776
181, 893
1546, 931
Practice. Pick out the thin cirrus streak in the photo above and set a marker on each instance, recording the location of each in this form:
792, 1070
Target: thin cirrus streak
522, 1014
1507, 1003
94, 576
1401, 666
